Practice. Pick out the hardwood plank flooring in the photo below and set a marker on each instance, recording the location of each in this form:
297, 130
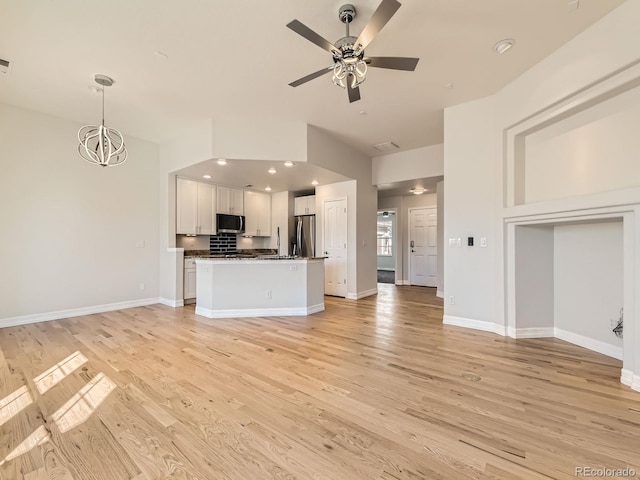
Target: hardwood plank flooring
371, 389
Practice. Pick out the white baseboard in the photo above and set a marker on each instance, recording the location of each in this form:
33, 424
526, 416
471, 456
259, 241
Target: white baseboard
74, 312
359, 295
538, 332
439, 294
403, 282
474, 324
171, 303
630, 380
260, 312
586, 342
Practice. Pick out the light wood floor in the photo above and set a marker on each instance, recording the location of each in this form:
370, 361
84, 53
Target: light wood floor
368, 389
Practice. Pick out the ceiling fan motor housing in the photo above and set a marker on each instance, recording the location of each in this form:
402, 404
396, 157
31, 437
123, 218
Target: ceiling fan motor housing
347, 46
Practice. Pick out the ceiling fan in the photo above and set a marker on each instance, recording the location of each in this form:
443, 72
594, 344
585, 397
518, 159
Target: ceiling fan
349, 62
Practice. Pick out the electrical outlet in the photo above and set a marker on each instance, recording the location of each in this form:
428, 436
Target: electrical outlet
139, 243
293, 267
267, 294
483, 241
452, 300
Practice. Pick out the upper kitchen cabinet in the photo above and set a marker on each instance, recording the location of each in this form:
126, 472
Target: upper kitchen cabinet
304, 205
195, 208
257, 210
230, 200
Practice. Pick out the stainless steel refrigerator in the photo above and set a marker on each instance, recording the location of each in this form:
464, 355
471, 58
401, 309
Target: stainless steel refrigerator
306, 235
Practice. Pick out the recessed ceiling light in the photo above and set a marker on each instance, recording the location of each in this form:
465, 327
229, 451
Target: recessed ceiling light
221, 161
288, 164
314, 183
363, 112
267, 189
448, 85
272, 170
418, 190
206, 176
504, 45
161, 55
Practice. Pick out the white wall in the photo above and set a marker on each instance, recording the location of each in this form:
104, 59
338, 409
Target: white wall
588, 280
534, 281
422, 162
252, 138
70, 228
326, 151
472, 197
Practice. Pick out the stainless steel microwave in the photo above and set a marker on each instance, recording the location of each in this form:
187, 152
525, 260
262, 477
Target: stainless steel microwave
230, 223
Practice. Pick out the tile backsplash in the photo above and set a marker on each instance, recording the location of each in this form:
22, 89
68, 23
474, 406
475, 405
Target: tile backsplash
223, 242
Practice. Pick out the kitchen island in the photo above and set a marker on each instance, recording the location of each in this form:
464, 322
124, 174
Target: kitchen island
259, 287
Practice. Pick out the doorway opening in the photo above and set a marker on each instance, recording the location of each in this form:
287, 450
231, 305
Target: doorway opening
386, 246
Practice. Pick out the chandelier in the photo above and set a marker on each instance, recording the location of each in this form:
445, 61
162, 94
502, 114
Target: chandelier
99, 144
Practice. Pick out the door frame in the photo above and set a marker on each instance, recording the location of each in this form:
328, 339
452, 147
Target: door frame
346, 255
430, 207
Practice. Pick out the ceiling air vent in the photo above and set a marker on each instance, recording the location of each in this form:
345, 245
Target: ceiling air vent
386, 147
4, 66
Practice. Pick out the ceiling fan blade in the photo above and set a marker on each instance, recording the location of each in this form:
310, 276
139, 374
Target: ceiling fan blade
378, 20
301, 29
311, 76
354, 93
394, 63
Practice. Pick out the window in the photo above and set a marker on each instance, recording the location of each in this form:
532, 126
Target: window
385, 235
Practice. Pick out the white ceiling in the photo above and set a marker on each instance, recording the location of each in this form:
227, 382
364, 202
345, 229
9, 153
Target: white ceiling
237, 58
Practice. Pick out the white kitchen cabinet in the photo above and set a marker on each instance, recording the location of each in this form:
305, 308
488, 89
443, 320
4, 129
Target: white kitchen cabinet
304, 205
230, 200
195, 207
190, 286
257, 210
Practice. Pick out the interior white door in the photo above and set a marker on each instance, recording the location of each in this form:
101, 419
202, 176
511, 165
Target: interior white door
335, 247
423, 247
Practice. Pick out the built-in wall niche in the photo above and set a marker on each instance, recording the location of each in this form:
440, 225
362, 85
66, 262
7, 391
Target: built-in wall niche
569, 282
584, 144
566, 279
594, 150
